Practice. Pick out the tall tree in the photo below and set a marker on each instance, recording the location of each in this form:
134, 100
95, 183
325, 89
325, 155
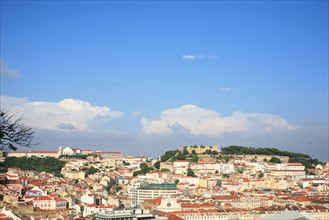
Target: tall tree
13, 132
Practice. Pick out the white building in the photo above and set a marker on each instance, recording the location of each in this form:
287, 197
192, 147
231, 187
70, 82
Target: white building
49, 203
69, 151
181, 163
88, 197
189, 180
151, 191
225, 168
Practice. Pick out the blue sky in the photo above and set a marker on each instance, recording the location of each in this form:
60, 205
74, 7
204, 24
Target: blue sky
144, 77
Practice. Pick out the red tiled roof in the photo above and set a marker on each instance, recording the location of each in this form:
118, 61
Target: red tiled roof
156, 201
170, 216
196, 206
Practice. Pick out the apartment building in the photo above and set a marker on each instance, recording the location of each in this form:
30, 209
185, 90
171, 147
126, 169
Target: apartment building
152, 191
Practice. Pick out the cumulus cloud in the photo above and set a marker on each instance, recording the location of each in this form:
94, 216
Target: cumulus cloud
66, 114
6, 71
200, 121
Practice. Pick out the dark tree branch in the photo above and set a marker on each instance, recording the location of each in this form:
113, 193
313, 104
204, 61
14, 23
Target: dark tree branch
13, 132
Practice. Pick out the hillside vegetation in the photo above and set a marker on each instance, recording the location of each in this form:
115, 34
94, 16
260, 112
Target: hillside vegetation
48, 164
304, 159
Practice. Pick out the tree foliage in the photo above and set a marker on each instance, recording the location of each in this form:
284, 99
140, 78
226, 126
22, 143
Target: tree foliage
144, 168
165, 170
275, 160
210, 152
190, 172
185, 151
169, 154
79, 156
90, 170
48, 164
180, 156
304, 159
261, 151
157, 165
13, 132
194, 158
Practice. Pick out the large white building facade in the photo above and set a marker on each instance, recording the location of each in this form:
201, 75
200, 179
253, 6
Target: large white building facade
152, 191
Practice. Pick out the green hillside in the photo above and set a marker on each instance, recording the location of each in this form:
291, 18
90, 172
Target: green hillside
304, 159
48, 164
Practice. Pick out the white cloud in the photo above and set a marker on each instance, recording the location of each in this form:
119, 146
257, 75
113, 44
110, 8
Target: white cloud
8, 102
135, 114
189, 57
226, 89
206, 122
200, 56
6, 71
66, 114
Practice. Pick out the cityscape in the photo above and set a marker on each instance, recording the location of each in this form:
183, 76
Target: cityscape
170, 110
191, 182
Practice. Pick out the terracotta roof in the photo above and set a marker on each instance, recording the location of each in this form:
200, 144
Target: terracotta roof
170, 216
156, 201
197, 206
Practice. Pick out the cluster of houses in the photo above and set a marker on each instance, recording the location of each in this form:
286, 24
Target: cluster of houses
241, 187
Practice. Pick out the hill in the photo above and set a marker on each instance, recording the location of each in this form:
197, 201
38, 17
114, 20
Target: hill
306, 160
48, 164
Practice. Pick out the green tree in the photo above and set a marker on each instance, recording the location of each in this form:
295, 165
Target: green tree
143, 166
275, 160
126, 163
118, 188
185, 151
169, 154
194, 158
181, 156
138, 172
165, 170
190, 172
176, 181
226, 158
157, 165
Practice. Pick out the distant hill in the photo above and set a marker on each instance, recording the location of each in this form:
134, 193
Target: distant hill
306, 160
261, 151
